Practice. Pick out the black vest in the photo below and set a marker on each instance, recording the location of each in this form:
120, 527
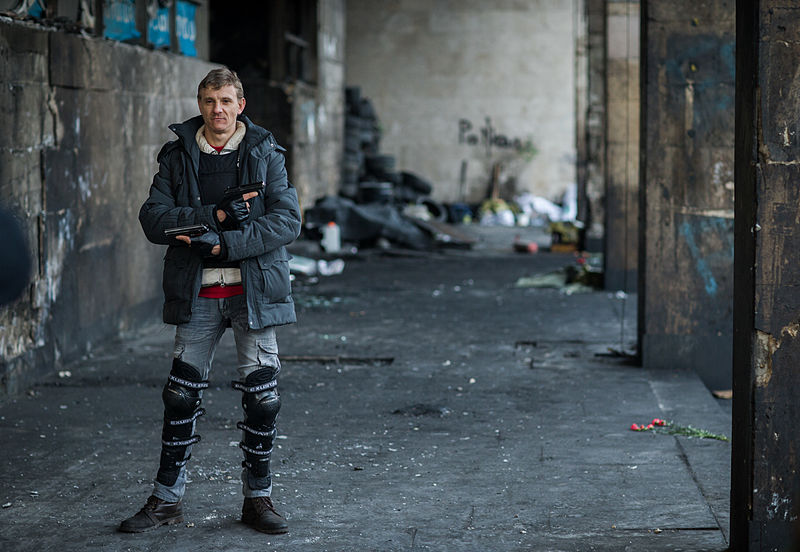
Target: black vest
216, 174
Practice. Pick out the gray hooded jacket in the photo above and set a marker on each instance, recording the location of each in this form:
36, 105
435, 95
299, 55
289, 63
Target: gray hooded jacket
259, 245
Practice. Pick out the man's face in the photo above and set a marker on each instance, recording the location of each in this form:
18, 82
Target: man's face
219, 108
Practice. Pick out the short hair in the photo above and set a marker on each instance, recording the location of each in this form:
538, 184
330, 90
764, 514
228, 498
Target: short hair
217, 78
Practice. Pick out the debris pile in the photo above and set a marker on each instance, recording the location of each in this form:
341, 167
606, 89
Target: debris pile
377, 205
368, 176
585, 275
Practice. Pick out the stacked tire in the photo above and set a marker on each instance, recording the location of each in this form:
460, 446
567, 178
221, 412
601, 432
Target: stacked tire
361, 138
369, 176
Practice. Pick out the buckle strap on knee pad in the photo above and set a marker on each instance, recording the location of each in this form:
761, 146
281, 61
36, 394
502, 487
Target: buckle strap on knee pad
185, 443
187, 383
263, 379
261, 404
266, 386
182, 396
248, 429
256, 452
197, 413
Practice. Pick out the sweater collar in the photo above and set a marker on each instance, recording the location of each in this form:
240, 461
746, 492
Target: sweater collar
230, 146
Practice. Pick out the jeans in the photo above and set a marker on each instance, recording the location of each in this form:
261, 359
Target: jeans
195, 343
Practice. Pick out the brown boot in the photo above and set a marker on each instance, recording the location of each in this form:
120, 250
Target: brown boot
260, 514
156, 512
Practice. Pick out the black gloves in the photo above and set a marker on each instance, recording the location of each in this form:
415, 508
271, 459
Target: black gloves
205, 243
236, 210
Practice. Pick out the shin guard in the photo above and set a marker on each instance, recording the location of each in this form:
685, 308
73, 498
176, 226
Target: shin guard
261, 404
182, 396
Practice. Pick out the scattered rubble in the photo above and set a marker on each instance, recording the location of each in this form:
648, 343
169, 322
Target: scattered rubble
584, 276
380, 206
314, 267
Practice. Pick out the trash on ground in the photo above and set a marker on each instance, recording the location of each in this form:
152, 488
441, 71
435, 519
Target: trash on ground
556, 279
565, 236
445, 234
330, 268
303, 265
540, 210
417, 211
564, 280
370, 180
313, 267
524, 246
366, 224
331, 238
496, 212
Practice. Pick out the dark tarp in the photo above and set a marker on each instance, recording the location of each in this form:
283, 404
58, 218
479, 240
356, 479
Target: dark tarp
366, 223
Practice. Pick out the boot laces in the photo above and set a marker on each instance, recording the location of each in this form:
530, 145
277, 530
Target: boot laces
264, 504
151, 504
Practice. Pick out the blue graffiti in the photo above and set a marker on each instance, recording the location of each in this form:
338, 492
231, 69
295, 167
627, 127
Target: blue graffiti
708, 61
719, 226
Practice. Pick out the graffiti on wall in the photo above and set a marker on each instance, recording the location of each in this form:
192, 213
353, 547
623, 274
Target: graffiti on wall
489, 137
710, 243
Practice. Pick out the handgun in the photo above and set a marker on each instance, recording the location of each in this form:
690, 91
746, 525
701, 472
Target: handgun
191, 230
239, 191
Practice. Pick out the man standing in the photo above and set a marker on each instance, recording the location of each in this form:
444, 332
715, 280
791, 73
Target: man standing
234, 274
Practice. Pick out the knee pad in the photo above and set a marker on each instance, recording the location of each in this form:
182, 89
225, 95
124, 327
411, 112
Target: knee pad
182, 393
261, 403
182, 397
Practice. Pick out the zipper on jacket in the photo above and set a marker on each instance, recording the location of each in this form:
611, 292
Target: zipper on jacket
238, 160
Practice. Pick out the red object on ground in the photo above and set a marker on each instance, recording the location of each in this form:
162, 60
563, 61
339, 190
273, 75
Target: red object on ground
526, 247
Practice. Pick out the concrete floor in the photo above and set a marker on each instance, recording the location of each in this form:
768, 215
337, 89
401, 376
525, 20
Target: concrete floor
428, 404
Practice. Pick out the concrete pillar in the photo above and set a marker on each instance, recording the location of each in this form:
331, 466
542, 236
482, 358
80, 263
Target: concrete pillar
330, 93
592, 207
686, 234
581, 103
622, 145
765, 494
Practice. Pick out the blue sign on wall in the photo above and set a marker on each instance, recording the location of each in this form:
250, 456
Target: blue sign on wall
186, 28
158, 29
119, 19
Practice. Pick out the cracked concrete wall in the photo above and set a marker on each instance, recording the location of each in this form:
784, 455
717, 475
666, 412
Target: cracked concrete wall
428, 66
318, 112
86, 118
686, 247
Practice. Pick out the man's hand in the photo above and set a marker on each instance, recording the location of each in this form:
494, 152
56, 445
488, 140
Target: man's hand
207, 244
236, 209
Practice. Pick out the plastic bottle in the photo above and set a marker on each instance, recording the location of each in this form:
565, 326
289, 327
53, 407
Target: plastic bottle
331, 238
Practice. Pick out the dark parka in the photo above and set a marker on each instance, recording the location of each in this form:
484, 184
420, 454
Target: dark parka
259, 245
